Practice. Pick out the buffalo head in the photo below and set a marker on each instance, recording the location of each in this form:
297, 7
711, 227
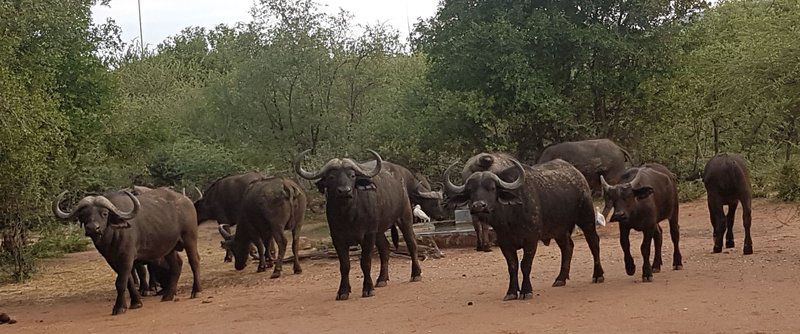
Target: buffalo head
96, 213
339, 177
429, 201
624, 198
484, 191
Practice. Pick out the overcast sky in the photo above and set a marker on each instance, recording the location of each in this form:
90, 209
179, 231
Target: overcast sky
162, 18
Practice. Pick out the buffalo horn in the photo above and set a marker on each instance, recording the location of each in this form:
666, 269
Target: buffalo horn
224, 232
452, 188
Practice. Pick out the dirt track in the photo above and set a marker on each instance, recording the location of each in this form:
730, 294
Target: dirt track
716, 293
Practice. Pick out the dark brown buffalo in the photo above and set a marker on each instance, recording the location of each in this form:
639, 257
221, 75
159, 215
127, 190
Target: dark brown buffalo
156, 225
526, 205
269, 207
727, 182
593, 158
221, 202
644, 197
417, 186
361, 204
492, 162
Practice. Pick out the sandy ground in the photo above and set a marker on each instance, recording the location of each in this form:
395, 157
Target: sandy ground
716, 293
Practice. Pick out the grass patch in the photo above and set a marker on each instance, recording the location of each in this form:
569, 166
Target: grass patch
690, 190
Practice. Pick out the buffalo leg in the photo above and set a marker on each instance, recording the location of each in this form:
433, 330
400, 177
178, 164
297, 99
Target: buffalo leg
717, 220
190, 244
383, 250
136, 299
174, 264
140, 278
366, 264
566, 245
512, 261
528, 252
411, 243
343, 253
122, 282
658, 239
625, 242
295, 246
476, 224
675, 235
262, 255
280, 239
729, 224
228, 252
746, 221
647, 270
593, 240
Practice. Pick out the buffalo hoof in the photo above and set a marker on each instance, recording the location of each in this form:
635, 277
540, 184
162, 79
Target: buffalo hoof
380, 284
677, 267
630, 270
275, 274
118, 310
717, 249
729, 244
343, 296
416, 278
298, 271
227, 259
195, 294
558, 283
647, 279
167, 297
144, 293
486, 249
136, 305
656, 269
510, 296
367, 294
526, 296
600, 279
748, 249
261, 269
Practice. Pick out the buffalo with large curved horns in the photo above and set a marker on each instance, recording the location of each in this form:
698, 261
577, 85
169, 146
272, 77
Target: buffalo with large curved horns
528, 204
361, 204
126, 229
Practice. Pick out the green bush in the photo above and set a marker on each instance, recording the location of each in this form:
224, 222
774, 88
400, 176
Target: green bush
788, 183
690, 190
56, 240
192, 160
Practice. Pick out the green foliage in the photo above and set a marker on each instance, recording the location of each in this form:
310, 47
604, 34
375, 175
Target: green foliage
190, 161
55, 240
788, 184
690, 190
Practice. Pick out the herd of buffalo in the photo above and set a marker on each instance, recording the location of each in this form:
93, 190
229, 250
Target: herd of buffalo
139, 230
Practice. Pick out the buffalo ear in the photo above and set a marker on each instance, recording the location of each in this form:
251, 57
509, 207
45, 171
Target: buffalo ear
643, 192
508, 198
365, 183
320, 186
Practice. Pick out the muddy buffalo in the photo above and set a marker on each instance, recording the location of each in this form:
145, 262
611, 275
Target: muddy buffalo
727, 182
269, 207
156, 225
525, 205
361, 204
492, 162
643, 198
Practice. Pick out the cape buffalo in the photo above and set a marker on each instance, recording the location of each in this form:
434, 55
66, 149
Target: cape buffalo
526, 205
221, 202
156, 225
417, 186
361, 204
492, 162
593, 158
727, 182
269, 206
644, 197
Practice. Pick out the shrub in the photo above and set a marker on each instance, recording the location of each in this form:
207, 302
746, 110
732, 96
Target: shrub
788, 183
690, 190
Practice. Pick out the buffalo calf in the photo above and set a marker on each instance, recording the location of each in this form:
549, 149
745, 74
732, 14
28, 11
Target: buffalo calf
644, 197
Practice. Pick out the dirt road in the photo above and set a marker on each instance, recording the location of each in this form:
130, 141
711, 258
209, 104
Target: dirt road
716, 293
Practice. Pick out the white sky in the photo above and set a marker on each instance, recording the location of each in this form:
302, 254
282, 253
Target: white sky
162, 18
